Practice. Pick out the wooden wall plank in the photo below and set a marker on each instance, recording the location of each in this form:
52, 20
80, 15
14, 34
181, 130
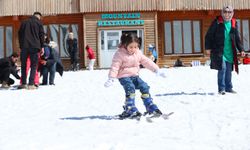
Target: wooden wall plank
117, 5
50, 7
159, 5
46, 7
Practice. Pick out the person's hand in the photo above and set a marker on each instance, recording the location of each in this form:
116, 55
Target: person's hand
242, 53
43, 62
109, 82
160, 73
42, 52
208, 52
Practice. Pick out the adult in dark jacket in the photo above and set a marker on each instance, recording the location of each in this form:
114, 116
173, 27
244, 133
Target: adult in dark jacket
31, 39
71, 45
222, 42
7, 67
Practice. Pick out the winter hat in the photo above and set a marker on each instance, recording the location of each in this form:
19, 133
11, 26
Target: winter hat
227, 8
151, 46
52, 44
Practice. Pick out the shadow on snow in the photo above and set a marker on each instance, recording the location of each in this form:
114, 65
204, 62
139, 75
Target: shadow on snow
184, 93
103, 117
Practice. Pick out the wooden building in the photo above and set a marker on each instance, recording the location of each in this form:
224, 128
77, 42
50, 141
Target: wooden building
176, 27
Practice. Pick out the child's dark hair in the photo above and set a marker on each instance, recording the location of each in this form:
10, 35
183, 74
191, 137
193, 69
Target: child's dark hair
47, 39
15, 55
126, 39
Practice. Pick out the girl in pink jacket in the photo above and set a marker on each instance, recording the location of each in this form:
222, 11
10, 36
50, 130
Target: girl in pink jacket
125, 66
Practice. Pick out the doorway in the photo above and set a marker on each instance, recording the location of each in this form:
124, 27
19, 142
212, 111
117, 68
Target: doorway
109, 42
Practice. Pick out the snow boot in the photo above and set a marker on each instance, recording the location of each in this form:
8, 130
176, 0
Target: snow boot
151, 108
130, 110
5, 85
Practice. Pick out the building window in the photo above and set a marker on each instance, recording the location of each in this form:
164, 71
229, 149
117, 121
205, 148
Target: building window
6, 42
9, 43
1, 42
113, 40
243, 27
182, 37
197, 36
59, 34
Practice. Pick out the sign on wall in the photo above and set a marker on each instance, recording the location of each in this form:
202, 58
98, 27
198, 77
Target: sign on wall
121, 19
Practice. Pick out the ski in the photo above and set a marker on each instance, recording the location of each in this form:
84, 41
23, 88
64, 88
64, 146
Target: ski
150, 119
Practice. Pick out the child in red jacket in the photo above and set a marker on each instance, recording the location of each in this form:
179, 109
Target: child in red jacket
91, 57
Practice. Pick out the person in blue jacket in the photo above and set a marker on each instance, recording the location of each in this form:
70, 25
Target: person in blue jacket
50, 63
152, 49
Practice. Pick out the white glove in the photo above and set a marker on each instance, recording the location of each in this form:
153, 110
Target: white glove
160, 73
109, 82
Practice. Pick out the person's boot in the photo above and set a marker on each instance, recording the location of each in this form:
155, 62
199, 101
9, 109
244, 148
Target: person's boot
130, 110
151, 108
32, 87
5, 85
22, 86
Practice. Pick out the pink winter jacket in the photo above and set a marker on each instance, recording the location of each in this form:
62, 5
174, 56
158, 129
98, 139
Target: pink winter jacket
128, 65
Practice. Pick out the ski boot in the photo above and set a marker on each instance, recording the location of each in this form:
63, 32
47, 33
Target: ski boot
130, 115
151, 108
130, 110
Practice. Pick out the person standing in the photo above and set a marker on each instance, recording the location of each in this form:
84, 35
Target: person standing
71, 44
8, 66
154, 52
31, 39
222, 41
91, 57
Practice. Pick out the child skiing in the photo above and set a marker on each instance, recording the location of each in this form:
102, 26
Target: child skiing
125, 67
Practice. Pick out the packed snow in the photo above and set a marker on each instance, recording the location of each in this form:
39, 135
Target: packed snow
76, 113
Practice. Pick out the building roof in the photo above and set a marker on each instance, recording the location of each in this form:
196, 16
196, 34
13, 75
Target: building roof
46, 7
51, 7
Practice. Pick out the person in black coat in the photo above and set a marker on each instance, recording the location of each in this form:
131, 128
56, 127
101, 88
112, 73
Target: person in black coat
178, 63
222, 41
71, 45
31, 39
7, 67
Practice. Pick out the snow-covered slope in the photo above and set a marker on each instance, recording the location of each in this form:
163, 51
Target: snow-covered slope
76, 114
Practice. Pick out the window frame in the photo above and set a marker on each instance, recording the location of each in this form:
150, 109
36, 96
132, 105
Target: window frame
5, 53
240, 29
193, 51
60, 25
